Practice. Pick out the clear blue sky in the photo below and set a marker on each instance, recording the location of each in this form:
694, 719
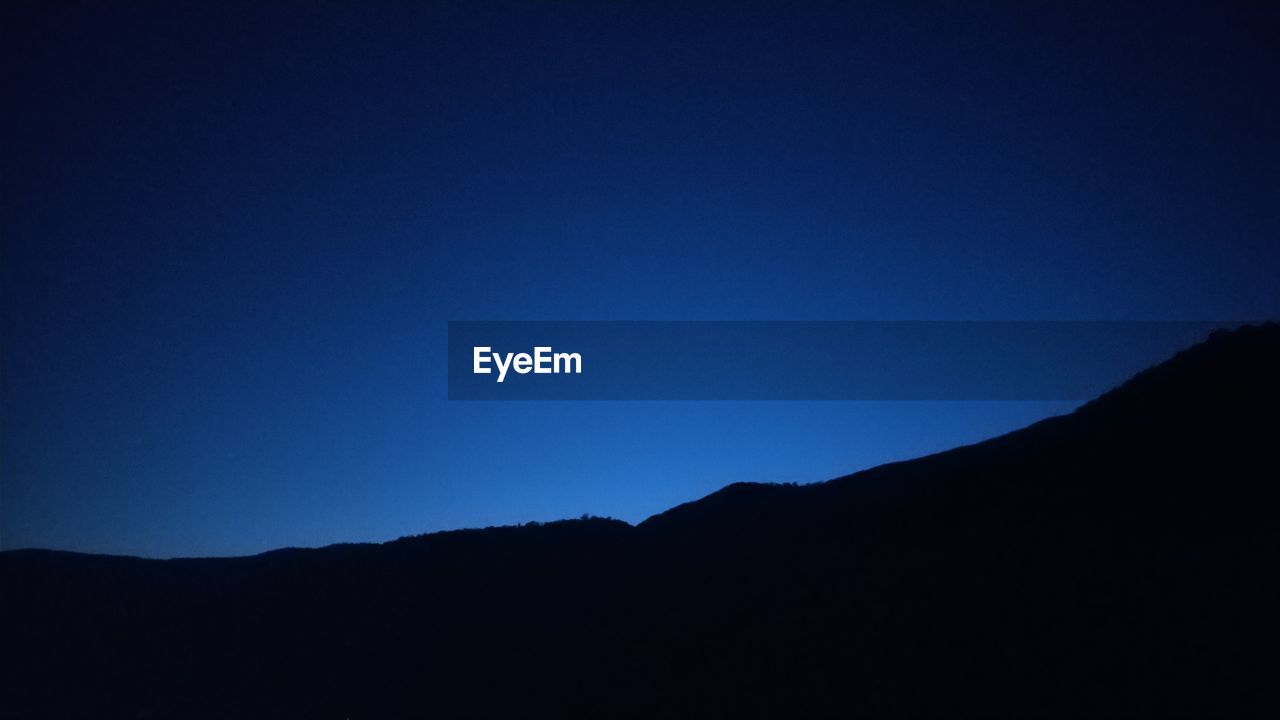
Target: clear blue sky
232, 236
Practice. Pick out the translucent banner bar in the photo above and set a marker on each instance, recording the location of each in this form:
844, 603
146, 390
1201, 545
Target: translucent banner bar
810, 360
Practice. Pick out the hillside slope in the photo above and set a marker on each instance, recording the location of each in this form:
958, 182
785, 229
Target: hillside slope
1117, 561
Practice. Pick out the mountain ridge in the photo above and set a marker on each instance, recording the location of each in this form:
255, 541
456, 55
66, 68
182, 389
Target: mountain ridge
1112, 561
1210, 350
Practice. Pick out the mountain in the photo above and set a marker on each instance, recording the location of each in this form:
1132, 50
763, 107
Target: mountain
1120, 561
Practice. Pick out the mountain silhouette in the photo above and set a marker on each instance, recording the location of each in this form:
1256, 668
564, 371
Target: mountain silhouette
1119, 561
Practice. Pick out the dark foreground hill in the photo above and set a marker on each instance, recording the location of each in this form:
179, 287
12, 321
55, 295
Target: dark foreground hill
1120, 561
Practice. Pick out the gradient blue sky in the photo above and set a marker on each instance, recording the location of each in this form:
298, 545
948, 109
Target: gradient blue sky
232, 236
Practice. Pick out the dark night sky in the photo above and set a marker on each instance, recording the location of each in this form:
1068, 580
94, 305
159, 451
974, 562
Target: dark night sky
233, 234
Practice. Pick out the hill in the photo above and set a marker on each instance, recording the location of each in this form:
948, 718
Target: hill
1117, 561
